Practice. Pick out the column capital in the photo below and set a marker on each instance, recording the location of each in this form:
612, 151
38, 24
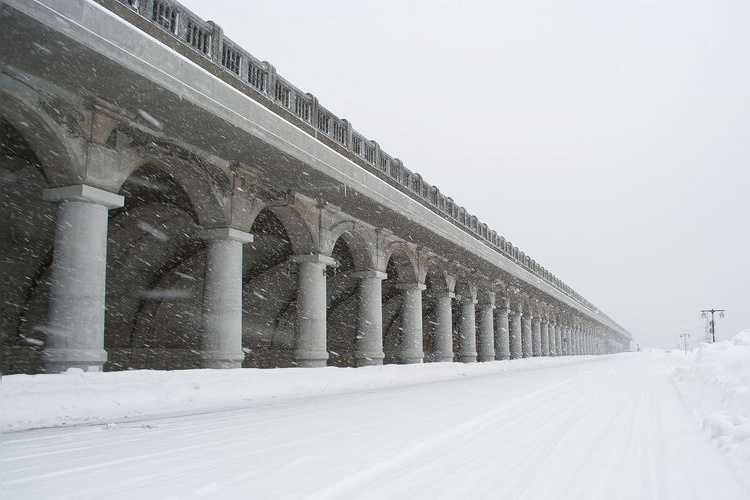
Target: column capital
369, 274
411, 286
315, 258
444, 293
486, 297
84, 193
225, 233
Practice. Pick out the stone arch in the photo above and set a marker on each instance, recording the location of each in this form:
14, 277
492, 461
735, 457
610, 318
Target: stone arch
353, 246
465, 288
360, 241
58, 150
142, 171
269, 293
342, 303
403, 261
438, 282
156, 268
301, 231
26, 242
401, 267
525, 304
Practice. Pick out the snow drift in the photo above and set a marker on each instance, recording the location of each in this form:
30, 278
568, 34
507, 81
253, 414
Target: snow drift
78, 397
715, 384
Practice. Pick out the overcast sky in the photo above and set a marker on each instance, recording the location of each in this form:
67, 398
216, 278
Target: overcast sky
609, 140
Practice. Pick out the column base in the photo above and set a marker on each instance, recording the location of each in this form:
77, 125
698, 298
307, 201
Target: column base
88, 360
412, 359
310, 359
502, 357
486, 357
467, 358
222, 359
444, 358
375, 359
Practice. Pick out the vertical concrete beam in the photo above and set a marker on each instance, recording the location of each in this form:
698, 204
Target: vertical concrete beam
443, 331
552, 338
467, 333
411, 323
502, 332
221, 322
536, 336
526, 342
368, 342
545, 337
75, 328
486, 338
516, 347
310, 348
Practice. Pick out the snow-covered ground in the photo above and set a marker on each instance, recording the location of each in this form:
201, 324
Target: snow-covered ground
585, 427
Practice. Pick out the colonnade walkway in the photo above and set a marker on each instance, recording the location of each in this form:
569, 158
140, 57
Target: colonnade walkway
601, 427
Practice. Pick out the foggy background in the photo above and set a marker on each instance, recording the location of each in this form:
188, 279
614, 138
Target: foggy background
609, 140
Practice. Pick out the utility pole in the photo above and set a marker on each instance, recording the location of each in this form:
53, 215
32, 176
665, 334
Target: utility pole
685, 337
713, 327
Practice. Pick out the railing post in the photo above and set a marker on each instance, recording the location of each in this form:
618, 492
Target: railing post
217, 35
313, 110
348, 134
270, 81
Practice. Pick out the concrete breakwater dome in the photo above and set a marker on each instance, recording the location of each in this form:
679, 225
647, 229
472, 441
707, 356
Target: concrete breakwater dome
169, 201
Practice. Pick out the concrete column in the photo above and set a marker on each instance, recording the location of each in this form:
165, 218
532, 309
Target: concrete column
411, 323
565, 340
526, 336
75, 325
502, 333
221, 332
586, 343
368, 343
552, 339
545, 338
577, 342
558, 339
467, 334
516, 348
574, 337
536, 336
310, 334
443, 331
486, 338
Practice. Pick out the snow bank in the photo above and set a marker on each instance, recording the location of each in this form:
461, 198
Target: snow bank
77, 397
715, 384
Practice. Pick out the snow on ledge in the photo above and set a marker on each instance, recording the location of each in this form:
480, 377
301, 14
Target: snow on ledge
77, 397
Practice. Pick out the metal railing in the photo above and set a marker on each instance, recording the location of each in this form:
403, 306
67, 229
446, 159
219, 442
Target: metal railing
206, 38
